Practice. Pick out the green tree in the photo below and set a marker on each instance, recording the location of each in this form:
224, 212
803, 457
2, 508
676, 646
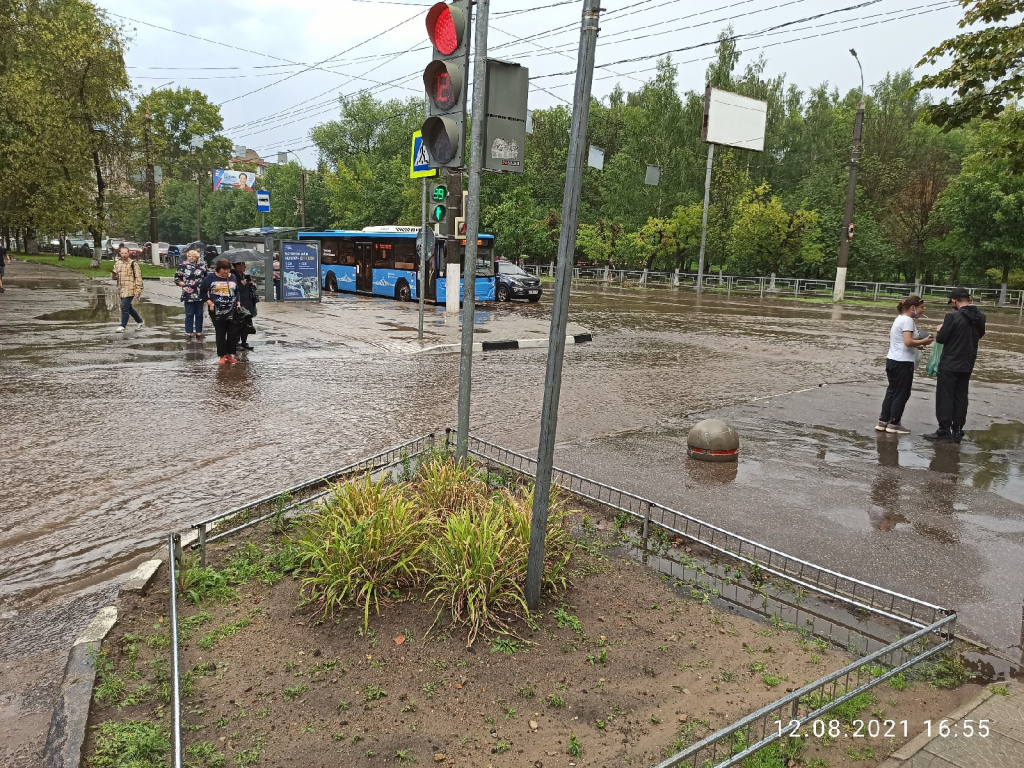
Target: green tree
180, 117
516, 225
984, 205
766, 238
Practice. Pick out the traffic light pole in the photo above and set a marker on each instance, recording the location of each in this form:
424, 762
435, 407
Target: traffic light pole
452, 270
472, 216
560, 310
421, 289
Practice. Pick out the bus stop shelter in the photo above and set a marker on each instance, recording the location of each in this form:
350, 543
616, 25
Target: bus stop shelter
265, 241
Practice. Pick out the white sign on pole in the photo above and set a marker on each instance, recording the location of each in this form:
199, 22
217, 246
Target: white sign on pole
595, 158
733, 120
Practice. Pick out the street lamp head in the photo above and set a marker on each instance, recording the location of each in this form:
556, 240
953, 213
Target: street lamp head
853, 53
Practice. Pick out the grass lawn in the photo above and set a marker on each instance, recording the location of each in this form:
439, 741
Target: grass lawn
80, 264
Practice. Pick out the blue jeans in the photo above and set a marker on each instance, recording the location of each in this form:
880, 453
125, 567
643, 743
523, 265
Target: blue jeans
128, 310
193, 316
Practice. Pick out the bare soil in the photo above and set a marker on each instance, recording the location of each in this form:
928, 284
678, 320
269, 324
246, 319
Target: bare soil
649, 671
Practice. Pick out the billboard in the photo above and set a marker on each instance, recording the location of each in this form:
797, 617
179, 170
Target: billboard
223, 179
733, 120
300, 270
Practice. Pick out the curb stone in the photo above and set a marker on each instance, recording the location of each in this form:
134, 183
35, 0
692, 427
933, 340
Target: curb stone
493, 346
66, 736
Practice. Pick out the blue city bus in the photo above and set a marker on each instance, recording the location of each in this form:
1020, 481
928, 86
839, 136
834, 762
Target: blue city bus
382, 261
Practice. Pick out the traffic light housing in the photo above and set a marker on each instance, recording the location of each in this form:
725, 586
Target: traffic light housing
439, 205
445, 80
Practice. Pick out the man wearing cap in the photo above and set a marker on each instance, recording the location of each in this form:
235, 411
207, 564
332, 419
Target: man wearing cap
959, 334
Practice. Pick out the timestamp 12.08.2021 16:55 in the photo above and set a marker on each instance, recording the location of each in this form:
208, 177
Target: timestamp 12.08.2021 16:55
881, 729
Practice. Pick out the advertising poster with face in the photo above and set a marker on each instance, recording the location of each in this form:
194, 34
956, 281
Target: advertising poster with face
226, 179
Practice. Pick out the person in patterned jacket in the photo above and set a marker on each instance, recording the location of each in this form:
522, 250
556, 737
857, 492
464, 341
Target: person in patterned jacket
189, 277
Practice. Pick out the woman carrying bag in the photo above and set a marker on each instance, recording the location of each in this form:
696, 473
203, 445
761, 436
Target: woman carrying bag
247, 297
899, 364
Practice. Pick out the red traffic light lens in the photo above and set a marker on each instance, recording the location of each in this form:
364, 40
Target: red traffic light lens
443, 84
443, 93
442, 28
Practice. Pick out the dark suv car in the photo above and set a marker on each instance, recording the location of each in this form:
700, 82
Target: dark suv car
514, 283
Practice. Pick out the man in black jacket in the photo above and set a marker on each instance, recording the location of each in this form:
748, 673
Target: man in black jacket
959, 334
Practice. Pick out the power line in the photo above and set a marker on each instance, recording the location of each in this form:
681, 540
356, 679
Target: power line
718, 41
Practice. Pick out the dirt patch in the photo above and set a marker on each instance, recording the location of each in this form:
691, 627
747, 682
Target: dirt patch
621, 666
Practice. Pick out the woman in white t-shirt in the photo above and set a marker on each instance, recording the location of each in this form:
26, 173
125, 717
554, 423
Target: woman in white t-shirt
899, 364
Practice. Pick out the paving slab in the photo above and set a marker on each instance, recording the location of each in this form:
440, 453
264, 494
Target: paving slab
964, 746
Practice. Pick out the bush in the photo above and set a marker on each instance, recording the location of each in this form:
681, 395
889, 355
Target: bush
362, 547
372, 540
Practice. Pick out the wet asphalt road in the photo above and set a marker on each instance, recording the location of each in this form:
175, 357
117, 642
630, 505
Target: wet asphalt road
110, 441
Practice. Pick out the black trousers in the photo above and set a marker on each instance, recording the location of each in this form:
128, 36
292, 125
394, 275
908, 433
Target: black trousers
951, 399
901, 376
227, 334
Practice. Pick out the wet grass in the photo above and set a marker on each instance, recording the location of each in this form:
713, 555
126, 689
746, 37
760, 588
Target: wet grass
80, 264
130, 744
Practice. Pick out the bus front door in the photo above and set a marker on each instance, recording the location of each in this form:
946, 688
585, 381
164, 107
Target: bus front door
364, 267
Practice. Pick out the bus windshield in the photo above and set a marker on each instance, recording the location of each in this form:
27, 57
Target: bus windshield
484, 258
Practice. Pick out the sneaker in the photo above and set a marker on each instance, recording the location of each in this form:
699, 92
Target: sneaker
232, 359
139, 324
939, 436
897, 429
957, 435
223, 360
120, 329
881, 425
199, 335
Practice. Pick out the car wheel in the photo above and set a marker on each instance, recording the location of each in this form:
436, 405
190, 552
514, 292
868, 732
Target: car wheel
331, 283
402, 291
503, 294
533, 299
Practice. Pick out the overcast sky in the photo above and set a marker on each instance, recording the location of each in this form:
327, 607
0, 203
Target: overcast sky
382, 46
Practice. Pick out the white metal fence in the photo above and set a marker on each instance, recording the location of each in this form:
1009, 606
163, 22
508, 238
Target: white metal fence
770, 285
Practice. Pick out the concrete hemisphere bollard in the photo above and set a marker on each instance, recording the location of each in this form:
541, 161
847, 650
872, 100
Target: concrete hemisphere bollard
713, 440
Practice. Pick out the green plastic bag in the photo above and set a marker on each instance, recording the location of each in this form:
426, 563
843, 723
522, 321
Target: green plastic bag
932, 368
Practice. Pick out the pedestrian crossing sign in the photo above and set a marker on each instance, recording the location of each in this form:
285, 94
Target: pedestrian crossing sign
419, 167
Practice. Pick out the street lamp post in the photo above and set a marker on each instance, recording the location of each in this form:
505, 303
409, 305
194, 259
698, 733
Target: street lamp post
198, 143
302, 186
846, 235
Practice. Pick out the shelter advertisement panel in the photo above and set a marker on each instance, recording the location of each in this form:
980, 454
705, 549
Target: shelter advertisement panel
300, 270
732, 120
228, 179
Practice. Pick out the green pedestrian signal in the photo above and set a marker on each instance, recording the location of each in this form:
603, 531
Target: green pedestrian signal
439, 212
440, 192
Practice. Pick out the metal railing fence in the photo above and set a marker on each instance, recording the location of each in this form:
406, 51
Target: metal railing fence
767, 285
931, 627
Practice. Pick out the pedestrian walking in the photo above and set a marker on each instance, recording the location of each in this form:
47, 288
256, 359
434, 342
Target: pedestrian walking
128, 275
189, 277
5, 259
247, 297
899, 364
959, 334
219, 291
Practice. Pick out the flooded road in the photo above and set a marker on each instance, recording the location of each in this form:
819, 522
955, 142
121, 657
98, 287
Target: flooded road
113, 440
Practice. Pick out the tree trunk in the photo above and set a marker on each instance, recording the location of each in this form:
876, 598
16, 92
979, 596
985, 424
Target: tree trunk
97, 227
31, 246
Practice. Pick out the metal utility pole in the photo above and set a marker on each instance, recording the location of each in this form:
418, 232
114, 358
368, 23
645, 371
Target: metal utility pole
302, 196
704, 219
199, 208
472, 214
851, 191
560, 310
154, 236
424, 256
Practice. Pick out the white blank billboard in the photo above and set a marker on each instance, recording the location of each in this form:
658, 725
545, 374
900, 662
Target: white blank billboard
734, 120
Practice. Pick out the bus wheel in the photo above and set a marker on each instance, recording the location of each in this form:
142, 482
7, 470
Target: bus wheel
402, 291
331, 283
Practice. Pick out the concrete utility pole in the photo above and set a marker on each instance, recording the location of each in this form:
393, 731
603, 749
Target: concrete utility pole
452, 270
472, 214
704, 218
851, 191
560, 310
302, 195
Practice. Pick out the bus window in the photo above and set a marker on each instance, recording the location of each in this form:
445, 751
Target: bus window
405, 253
346, 252
383, 255
330, 252
484, 258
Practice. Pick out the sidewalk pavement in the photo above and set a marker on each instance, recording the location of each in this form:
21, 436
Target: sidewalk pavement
1002, 705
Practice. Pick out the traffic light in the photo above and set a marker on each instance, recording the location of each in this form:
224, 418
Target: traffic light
439, 209
445, 80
